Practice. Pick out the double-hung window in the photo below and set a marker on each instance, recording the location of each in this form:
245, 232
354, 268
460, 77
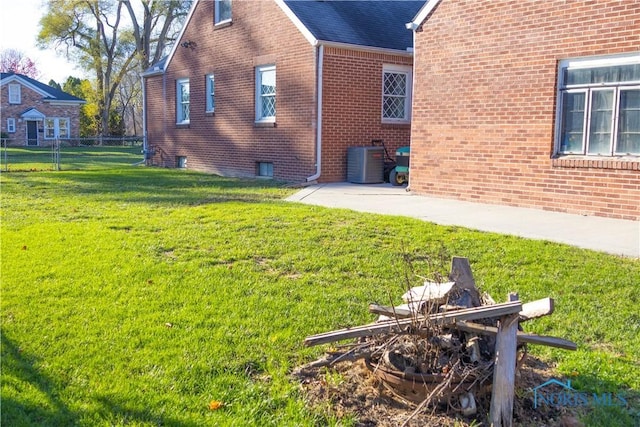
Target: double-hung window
211, 93
396, 94
14, 93
599, 106
182, 101
266, 94
222, 12
11, 125
55, 127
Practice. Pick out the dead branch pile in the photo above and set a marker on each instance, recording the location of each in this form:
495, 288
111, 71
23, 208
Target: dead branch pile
439, 346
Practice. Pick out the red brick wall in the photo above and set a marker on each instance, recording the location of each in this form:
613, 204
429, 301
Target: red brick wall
352, 107
485, 99
228, 142
32, 99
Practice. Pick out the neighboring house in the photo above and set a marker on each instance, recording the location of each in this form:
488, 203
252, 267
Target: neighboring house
33, 113
281, 88
529, 103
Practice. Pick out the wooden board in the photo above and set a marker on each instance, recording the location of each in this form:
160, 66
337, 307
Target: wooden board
523, 337
401, 326
530, 310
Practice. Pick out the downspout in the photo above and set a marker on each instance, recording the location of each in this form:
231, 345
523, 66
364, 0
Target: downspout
144, 118
413, 100
320, 62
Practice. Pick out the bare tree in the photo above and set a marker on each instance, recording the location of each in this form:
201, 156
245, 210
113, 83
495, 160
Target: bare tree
94, 33
12, 60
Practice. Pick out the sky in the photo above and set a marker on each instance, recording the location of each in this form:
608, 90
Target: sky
19, 29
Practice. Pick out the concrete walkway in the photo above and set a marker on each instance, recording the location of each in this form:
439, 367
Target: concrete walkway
614, 236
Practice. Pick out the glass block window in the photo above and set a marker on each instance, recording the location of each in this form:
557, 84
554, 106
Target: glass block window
182, 101
599, 106
396, 94
266, 93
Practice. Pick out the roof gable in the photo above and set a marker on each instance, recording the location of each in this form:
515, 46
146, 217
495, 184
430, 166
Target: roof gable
48, 93
32, 114
371, 23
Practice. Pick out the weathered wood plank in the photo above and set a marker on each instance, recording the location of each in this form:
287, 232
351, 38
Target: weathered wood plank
504, 371
462, 275
522, 337
400, 326
530, 310
385, 310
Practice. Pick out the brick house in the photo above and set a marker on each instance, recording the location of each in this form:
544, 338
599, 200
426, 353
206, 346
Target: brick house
281, 88
528, 103
33, 113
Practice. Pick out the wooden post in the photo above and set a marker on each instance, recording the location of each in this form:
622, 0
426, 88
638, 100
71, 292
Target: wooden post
504, 370
462, 275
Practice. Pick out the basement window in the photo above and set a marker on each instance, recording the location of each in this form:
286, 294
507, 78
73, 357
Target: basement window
181, 162
264, 169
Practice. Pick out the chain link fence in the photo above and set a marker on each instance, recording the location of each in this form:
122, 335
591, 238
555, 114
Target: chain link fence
72, 154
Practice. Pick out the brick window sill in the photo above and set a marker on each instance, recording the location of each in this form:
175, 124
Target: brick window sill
619, 163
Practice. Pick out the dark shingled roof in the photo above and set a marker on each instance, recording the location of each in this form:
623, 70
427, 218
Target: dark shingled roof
55, 93
375, 23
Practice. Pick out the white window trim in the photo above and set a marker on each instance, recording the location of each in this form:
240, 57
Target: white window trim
404, 69
56, 127
216, 14
258, 94
583, 63
15, 93
180, 120
210, 84
11, 125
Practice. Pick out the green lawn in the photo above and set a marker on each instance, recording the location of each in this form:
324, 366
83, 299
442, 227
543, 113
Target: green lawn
21, 159
137, 296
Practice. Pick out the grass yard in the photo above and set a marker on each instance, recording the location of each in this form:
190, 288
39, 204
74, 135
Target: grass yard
24, 159
142, 296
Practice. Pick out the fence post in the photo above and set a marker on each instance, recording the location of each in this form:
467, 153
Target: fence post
56, 154
6, 158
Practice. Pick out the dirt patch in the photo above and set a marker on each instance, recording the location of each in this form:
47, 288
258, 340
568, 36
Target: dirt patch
349, 389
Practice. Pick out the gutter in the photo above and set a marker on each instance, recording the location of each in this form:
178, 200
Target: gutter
319, 65
363, 48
